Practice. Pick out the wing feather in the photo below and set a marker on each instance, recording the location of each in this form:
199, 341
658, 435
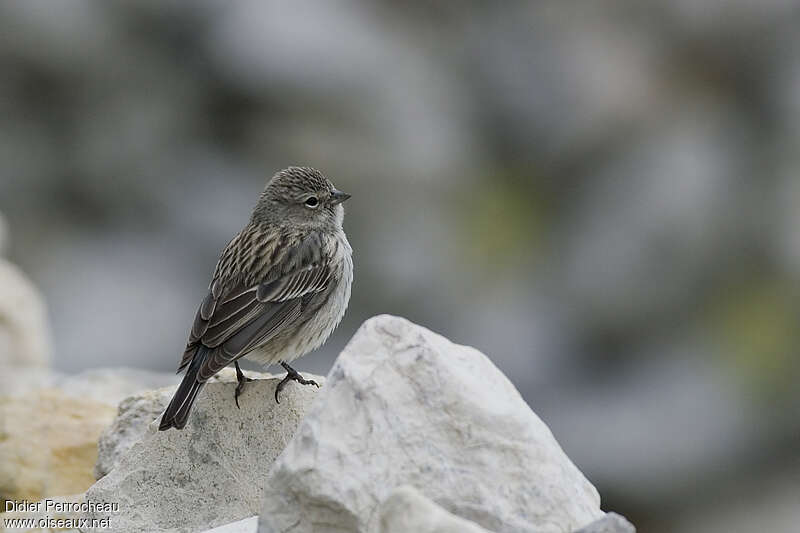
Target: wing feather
236, 319
231, 324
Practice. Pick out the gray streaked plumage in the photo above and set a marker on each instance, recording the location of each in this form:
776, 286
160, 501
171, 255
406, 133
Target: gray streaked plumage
280, 287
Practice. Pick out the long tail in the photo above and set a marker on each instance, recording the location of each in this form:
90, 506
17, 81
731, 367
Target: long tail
177, 412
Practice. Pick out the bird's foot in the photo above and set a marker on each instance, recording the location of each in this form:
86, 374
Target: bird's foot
242, 379
292, 375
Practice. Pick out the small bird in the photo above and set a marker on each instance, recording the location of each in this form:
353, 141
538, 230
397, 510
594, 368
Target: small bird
280, 288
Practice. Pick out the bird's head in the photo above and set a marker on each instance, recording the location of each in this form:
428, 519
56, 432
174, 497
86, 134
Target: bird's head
303, 198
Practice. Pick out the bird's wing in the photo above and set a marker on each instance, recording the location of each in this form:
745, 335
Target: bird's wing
234, 321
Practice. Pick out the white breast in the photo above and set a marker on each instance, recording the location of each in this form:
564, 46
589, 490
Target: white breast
317, 330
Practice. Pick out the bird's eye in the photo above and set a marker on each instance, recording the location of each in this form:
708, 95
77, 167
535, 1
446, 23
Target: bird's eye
312, 202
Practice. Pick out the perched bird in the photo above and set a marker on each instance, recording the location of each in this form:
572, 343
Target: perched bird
281, 286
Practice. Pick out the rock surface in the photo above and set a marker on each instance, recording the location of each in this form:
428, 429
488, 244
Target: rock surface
248, 525
106, 385
112, 385
24, 328
404, 406
610, 523
50, 424
136, 413
213, 471
406, 509
48, 443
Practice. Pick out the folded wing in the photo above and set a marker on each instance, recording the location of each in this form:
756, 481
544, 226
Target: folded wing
236, 318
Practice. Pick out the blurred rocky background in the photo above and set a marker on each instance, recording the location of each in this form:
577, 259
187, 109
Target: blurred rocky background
604, 197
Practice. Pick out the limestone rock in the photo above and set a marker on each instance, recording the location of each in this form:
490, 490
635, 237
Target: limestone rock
136, 413
48, 443
22, 380
610, 523
112, 385
406, 509
50, 424
248, 525
404, 406
106, 385
213, 471
24, 329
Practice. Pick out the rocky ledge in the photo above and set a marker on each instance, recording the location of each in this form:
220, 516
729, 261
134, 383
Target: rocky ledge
409, 432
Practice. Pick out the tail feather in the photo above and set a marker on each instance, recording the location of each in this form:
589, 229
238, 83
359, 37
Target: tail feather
177, 412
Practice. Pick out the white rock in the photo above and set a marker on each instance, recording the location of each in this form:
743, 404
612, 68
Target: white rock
610, 523
24, 329
248, 525
213, 471
136, 412
112, 385
50, 424
403, 405
22, 380
406, 509
48, 443
107, 385
134, 415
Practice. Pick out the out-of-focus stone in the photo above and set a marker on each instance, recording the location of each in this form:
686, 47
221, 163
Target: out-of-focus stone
406, 509
48, 443
404, 406
610, 523
112, 385
50, 510
24, 329
212, 472
107, 385
50, 424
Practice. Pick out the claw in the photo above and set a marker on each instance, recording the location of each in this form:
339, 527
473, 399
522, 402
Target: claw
292, 375
242, 379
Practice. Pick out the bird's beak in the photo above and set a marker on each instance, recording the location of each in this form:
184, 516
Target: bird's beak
338, 196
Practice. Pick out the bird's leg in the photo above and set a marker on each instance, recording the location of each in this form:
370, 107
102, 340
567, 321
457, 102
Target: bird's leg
292, 375
242, 379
